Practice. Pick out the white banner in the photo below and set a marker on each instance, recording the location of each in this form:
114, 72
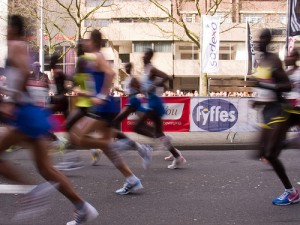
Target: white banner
222, 114
210, 44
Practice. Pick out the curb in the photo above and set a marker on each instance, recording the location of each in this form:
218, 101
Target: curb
218, 147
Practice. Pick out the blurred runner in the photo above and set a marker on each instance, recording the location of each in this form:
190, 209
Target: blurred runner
153, 82
100, 117
272, 82
31, 124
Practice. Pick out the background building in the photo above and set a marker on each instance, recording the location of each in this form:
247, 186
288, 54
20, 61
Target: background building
139, 24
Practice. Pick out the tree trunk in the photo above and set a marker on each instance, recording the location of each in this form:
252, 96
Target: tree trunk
203, 87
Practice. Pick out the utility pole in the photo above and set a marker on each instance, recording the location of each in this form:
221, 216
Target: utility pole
173, 48
41, 50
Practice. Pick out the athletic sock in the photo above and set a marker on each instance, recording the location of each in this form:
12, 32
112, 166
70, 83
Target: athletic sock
290, 190
132, 179
79, 206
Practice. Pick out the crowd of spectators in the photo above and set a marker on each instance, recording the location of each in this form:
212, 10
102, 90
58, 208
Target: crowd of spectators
232, 94
180, 93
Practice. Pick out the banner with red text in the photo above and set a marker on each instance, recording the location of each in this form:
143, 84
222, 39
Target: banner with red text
176, 118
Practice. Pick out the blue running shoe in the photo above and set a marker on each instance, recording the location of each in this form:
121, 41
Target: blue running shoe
128, 188
287, 198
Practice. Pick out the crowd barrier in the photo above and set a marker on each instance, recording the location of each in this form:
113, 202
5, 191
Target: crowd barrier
196, 114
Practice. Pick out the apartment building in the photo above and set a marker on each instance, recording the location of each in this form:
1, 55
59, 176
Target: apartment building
134, 25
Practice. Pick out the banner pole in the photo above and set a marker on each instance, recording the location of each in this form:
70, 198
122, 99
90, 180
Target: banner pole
200, 56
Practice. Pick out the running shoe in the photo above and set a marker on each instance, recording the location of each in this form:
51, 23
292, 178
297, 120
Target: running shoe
36, 202
67, 166
287, 198
88, 213
128, 188
177, 162
58, 146
13, 148
96, 155
169, 158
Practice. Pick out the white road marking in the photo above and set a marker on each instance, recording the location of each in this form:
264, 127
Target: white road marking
15, 189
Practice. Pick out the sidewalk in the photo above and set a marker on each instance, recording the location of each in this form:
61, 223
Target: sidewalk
204, 140
207, 140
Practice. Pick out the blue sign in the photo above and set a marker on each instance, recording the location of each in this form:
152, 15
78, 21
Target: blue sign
215, 115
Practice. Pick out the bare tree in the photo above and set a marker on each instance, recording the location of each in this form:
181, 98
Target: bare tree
76, 12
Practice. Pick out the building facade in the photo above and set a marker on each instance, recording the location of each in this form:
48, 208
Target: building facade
134, 25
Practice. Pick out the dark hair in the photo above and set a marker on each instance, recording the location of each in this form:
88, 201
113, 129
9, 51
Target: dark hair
266, 35
96, 38
17, 22
54, 59
128, 65
149, 51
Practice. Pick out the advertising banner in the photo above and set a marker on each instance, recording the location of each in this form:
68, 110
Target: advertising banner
251, 53
210, 44
222, 114
176, 118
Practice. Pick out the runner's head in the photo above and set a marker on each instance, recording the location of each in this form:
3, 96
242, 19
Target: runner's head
15, 28
96, 40
128, 68
264, 40
148, 56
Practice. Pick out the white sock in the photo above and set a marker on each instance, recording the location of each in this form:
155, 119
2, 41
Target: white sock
290, 190
132, 179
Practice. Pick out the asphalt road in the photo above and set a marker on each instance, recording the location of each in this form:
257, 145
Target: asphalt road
213, 188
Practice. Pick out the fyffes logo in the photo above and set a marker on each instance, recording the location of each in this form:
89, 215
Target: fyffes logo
215, 115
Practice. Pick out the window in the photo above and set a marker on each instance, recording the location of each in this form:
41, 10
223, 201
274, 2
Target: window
95, 3
224, 17
141, 46
158, 46
224, 56
189, 18
97, 23
188, 47
188, 56
252, 18
163, 46
283, 19
125, 58
278, 32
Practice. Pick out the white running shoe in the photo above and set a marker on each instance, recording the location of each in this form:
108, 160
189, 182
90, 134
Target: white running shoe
88, 213
35, 202
67, 166
177, 162
128, 188
96, 155
169, 158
